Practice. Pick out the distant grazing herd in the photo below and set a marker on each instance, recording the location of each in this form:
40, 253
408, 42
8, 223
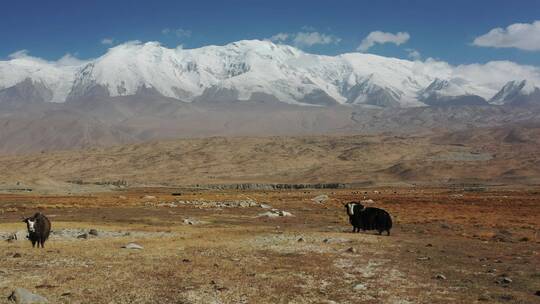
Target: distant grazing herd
360, 217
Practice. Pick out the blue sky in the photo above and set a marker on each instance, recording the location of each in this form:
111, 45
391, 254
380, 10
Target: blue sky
440, 29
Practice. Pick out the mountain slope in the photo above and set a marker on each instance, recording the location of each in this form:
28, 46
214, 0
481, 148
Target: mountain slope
449, 92
516, 92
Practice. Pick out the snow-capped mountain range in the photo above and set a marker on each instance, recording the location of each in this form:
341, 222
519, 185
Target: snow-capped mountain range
254, 69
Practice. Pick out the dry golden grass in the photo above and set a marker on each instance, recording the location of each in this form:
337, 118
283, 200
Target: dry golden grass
238, 258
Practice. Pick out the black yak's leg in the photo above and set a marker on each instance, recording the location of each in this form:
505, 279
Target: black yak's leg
380, 232
33, 244
388, 232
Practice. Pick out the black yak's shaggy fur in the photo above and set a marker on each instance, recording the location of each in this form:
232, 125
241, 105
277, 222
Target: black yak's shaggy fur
39, 228
369, 218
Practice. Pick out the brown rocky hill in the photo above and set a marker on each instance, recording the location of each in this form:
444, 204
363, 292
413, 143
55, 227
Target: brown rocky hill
122, 120
472, 156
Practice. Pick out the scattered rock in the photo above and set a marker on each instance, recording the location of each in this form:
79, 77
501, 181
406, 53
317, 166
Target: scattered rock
505, 232
265, 206
440, 277
24, 296
122, 197
320, 198
11, 237
504, 280
360, 287
501, 237
300, 239
217, 286
83, 236
351, 250
66, 294
244, 204
484, 298
423, 258
190, 221
93, 232
217, 204
524, 239
506, 297
168, 205
367, 201
149, 197
445, 226
14, 236
429, 245
17, 255
133, 246
186, 260
275, 213
336, 240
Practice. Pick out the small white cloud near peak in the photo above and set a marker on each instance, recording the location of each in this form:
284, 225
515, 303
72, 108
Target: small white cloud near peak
179, 32
19, 54
279, 37
67, 60
70, 60
312, 38
306, 38
524, 36
378, 37
413, 54
107, 41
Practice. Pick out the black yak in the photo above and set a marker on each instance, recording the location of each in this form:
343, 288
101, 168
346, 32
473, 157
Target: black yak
39, 228
369, 218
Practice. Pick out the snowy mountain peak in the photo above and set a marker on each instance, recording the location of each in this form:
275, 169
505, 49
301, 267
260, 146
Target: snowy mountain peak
454, 91
514, 91
249, 69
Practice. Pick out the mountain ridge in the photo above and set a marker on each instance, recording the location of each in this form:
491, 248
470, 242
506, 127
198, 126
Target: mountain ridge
248, 68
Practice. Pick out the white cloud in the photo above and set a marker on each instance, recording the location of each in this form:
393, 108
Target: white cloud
19, 54
279, 37
525, 36
308, 28
488, 77
305, 39
179, 32
312, 38
67, 60
413, 54
107, 41
70, 60
497, 73
381, 38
